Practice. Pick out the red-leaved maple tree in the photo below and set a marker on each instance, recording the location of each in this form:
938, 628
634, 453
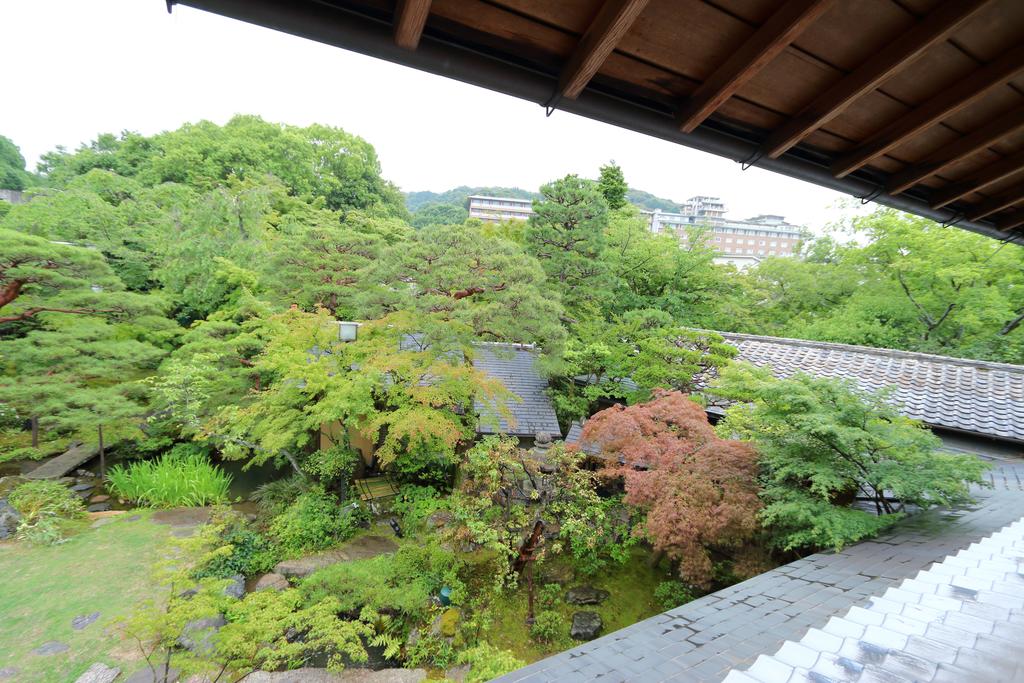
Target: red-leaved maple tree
699, 492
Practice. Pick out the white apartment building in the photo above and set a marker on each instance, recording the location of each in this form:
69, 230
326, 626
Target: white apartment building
498, 209
741, 242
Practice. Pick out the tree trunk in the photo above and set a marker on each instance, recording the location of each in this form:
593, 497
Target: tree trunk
103, 459
35, 431
655, 558
529, 594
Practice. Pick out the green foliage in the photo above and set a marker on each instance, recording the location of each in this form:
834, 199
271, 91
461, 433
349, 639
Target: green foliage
400, 584
249, 553
822, 442
414, 504
439, 214
613, 185
432, 651
672, 594
549, 596
171, 481
488, 662
275, 496
314, 521
547, 626
44, 506
459, 196
13, 175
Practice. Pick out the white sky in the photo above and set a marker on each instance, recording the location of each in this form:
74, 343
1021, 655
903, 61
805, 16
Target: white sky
74, 69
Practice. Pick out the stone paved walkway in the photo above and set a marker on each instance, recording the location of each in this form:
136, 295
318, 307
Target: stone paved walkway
703, 640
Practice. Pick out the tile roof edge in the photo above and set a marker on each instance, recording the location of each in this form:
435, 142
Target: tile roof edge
889, 353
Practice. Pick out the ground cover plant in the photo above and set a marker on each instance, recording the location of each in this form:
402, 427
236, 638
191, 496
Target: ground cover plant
171, 480
46, 508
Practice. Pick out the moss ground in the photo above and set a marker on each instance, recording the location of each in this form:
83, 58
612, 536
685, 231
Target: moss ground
631, 587
103, 570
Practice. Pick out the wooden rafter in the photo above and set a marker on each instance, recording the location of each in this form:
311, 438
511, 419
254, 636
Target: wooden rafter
410, 18
979, 180
609, 26
881, 66
943, 105
1011, 220
997, 203
756, 52
947, 155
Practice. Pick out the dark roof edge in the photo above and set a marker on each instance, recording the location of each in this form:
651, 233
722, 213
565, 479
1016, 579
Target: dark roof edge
439, 54
887, 353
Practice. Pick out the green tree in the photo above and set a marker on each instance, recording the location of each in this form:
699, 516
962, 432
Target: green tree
566, 234
823, 443
613, 185
439, 214
13, 175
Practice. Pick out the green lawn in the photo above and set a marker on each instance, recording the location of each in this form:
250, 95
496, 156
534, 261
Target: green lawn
631, 586
43, 588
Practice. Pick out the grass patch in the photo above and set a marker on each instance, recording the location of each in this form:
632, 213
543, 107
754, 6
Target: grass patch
102, 570
171, 481
632, 599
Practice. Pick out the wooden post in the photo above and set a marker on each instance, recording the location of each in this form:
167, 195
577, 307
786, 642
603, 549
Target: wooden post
35, 431
103, 461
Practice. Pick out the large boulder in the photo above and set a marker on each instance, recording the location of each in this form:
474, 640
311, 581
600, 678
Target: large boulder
9, 519
270, 581
586, 595
586, 625
235, 589
99, 673
358, 549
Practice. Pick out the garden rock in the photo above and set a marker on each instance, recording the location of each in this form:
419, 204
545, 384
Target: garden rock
439, 519
9, 519
9, 672
102, 521
50, 648
85, 473
78, 623
99, 673
235, 589
586, 625
101, 498
66, 481
457, 673
146, 675
560, 574
270, 581
98, 507
586, 595
197, 636
446, 623
82, 487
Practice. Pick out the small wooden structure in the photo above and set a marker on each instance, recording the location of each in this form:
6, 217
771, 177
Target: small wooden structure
57, 467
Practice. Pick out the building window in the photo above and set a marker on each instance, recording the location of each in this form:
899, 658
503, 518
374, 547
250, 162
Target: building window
761, 243
774, 244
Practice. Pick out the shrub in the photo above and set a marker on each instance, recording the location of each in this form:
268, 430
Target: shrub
275, 496
549, 596
548, 626
400, 584
672, 594
823, 441
313, 522
250, 552
431, 651
487, 662
415, 503
43, 506
171, 481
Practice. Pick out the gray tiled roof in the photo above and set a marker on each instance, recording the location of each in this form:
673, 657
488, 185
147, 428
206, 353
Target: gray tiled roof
516, 366
954, 393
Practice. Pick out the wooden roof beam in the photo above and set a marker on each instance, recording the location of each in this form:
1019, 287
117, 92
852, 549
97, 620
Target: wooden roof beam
997, 203
410, 18
979, 180
1011, 221
612, 22
881, 66
943, 105
947, 155
781, 29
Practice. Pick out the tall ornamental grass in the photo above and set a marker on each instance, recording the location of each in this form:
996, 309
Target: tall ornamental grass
172, 480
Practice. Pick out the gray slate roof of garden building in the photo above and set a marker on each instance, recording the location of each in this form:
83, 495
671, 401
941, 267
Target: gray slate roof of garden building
954, 393
516, 366
705, 640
